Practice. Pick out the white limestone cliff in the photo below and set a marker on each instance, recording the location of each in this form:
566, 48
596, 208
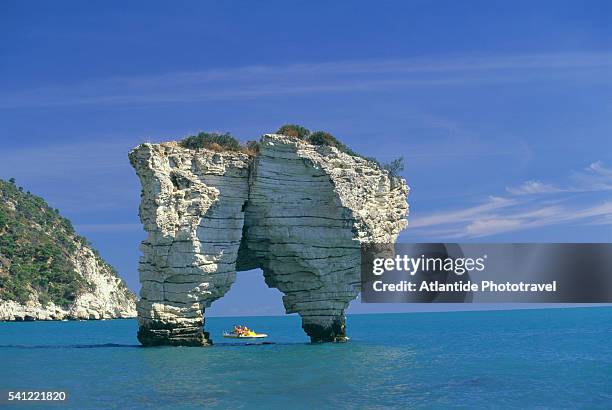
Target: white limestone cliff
105, 297
298, 211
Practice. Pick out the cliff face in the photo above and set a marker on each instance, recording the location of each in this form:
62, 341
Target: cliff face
298, 211
47, 272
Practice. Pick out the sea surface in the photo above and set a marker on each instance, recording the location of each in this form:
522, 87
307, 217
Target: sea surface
548, 358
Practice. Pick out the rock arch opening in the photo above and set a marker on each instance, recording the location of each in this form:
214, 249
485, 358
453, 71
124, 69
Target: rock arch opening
297, 211
249, 295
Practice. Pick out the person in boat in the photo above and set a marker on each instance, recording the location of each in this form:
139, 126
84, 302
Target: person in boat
240, 330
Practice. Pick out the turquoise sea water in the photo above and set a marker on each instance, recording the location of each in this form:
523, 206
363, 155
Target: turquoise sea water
553, 358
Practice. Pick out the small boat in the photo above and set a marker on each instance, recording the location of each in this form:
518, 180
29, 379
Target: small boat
243, 332
245, 336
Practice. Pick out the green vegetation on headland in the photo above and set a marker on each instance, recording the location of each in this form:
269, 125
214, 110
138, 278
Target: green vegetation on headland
316, 138
36, 246
219, 142
325, 138
225, 142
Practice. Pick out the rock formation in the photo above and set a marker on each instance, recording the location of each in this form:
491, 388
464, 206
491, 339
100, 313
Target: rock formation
106, 296
298, 211
47, 271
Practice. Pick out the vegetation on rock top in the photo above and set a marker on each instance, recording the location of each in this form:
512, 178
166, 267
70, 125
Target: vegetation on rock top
221, 142
325, 138
36, 247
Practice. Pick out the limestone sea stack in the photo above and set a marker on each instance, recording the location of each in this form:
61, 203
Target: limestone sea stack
298, 211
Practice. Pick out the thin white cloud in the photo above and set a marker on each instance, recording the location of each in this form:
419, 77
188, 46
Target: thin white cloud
530, 205
344, 76
533, 187
560, 215
462, 215
599, 168
485, 227
595, 177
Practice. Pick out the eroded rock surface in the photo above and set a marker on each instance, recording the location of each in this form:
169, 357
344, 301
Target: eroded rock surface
106, 296
299, 212
48, 271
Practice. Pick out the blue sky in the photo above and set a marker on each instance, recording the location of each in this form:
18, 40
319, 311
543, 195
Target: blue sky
501, 109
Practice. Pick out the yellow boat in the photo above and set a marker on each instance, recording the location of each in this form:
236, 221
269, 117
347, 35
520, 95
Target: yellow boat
250, 335
243, 333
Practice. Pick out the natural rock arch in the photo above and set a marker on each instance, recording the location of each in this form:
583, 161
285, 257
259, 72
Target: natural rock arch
297, 211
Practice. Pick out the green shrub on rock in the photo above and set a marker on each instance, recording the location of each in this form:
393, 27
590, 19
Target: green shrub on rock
252, 148
395, 167
293, 130
212, 141
225, 142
